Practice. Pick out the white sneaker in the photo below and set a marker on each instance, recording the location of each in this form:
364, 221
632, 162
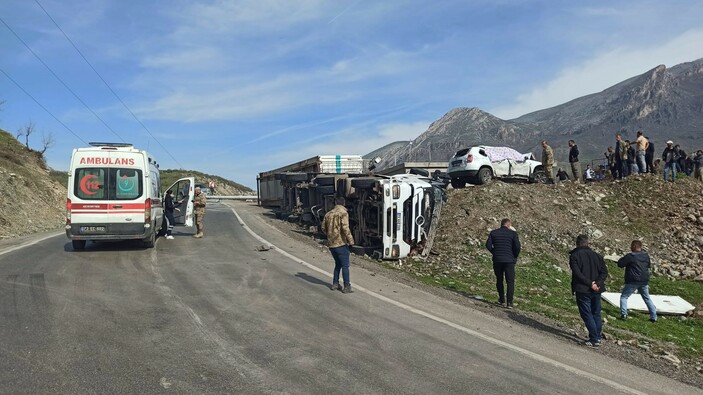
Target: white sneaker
170, 237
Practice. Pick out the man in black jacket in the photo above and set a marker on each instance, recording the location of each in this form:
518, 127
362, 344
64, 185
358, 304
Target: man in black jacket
636, 266
574, 160
588, 274
504, 244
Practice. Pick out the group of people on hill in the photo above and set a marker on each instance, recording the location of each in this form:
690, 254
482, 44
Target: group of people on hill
627, 158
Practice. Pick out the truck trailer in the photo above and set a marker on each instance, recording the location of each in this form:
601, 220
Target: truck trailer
269, 190
391, 217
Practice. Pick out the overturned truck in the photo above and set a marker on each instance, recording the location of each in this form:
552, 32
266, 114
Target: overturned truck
391, 217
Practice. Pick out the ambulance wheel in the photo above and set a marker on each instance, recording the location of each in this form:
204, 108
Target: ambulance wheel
150, 241
78, 244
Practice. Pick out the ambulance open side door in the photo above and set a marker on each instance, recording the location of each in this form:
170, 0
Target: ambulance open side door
183, 193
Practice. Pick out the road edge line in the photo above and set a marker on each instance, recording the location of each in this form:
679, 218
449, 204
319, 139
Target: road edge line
27, 244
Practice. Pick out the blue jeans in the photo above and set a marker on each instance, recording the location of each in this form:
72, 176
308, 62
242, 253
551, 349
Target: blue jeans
589, 309
641, 162
643, 290
670, 168
341, 263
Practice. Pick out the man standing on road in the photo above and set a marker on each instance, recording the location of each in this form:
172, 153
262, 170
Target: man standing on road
574, 160
548, 161
339, 238
199, 202
588, 274
169, 206
504, 245
636, 266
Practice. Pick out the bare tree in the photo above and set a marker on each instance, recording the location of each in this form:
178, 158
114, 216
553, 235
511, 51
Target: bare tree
47, 141
25, 132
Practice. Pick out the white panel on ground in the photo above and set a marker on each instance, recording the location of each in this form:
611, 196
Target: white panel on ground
666, 304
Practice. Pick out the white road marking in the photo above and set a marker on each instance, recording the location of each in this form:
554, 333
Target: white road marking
520, 350
27, 244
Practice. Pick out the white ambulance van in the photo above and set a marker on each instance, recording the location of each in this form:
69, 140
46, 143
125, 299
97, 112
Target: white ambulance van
114, 193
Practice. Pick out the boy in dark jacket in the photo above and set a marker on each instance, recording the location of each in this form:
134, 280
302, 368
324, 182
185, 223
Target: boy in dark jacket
588, 274
636, 266
504, 245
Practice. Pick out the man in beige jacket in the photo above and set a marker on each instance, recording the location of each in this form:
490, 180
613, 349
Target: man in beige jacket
339, 239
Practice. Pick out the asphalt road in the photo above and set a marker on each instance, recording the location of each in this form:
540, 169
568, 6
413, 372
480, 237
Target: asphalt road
215, 315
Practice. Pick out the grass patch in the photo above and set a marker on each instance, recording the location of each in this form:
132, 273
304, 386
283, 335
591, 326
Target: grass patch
541, 287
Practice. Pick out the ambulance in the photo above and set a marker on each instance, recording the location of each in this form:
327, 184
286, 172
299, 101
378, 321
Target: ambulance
114, 193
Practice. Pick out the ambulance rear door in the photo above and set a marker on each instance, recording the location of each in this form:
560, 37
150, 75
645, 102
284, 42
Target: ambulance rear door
183, 200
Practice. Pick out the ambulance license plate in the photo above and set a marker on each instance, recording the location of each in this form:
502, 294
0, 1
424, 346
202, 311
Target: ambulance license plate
92, 229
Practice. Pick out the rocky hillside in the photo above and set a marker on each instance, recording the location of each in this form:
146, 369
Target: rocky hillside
223, 186
667, 217
667, 103
32, 201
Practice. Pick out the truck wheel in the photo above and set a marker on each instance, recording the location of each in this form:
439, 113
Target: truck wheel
78, 244
363, 182
150, 241
484, 176
419, 172
324, 180
458, 183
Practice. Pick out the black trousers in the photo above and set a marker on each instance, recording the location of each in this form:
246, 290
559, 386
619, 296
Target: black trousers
507, 270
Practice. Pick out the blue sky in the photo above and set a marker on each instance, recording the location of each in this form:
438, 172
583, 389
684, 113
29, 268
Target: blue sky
234, 88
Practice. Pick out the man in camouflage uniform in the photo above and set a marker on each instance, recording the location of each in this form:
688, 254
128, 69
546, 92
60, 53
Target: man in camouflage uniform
199, 202
548, 161
339, 239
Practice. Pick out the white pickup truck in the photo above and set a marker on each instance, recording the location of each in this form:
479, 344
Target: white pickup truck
481, 164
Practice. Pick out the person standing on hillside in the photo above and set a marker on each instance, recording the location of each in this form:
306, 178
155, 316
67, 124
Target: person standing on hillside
588, 274
670, 157
339, 238
642, 147
649, 156
612, 162
620, 157
574, 160
636, 264
199, 202
698, 165
504, 244
548, 161
632, 167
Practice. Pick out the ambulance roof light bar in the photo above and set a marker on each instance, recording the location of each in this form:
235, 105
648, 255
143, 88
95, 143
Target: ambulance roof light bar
98, 144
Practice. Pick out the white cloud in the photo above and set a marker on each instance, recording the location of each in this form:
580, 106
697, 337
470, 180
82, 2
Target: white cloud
604, 70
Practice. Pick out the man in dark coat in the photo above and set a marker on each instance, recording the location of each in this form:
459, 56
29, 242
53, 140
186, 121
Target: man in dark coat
588, 274
636, 266
574, 160
504, 245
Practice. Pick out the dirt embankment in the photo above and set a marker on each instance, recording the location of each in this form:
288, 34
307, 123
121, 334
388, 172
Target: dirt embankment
30, 200
667, 217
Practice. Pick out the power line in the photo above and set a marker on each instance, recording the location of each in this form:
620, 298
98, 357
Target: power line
60, 80
44, 108
105, 82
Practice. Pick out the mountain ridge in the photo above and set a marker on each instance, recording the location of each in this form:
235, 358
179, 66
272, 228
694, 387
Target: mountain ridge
666, 103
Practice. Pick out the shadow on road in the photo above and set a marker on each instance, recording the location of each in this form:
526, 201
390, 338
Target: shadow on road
521, 319
311, 279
